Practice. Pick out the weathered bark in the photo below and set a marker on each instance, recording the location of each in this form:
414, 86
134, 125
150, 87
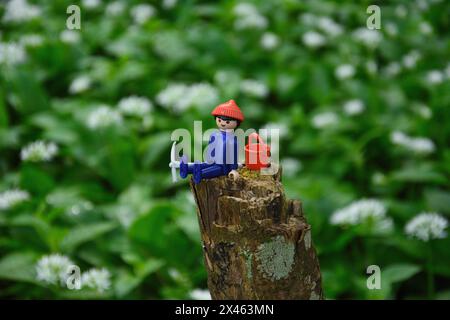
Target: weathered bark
256, 244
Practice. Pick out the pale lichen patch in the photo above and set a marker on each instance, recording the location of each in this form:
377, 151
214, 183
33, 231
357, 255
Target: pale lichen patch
307, 240
276, 258
314, 296
248, 263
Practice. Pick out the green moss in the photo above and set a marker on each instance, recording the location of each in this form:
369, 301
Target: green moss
247, 173
248, 263
253, 174
276, 258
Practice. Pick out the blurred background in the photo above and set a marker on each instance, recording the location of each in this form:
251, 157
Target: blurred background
86, 117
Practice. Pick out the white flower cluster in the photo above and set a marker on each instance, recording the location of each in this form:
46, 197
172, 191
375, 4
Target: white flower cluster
200, 294
378, 179
141, 13
31, 40
97, 279
70, 36
135, 106
419, 145
425, 28
324, 119
344, 71
39, 151
12, 53
435, 77
427, 226
371, 67
324, 27
102, 117
367, 37
13, 197
365, 211
322, 23
80, 207
269, 41
20, 11
172, 95
169, 4
80, 84
115, 8
410, 60
53, 269
401, 11
447, 71
393, 69
91, 4
271, 127
353, 107
291, 166
313, 39
391, 29
171, 45
254, 88
248, 17
180, 97
423, 110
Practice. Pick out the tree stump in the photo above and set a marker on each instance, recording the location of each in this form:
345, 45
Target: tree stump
256, 244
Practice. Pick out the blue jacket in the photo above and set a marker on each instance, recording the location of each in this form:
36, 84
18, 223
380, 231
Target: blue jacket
223, 150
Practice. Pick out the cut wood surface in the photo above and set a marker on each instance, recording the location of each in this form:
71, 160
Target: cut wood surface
256, 243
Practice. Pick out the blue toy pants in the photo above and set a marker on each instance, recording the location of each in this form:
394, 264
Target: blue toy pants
203, 170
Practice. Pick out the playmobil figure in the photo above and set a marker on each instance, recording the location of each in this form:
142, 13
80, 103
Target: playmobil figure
222, 152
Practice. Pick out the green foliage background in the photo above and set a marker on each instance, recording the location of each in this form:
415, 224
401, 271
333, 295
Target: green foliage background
142, 227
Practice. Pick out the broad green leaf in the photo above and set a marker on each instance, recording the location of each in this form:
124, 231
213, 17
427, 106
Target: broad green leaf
3, 111
120, 163
85, 233
438, 200
30, 94
153, 228
85, 294
152, 149
188, 222
158, 234
36, 179
145, 268
443, 295
18, 267
399, 272
55, 129
420, 174
411, 248
125, 283
26, 220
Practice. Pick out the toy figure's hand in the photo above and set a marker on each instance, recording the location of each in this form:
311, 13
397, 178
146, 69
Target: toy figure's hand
233, 175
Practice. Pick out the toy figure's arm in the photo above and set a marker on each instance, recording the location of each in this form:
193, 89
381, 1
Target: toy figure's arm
235, 165
235, 154
211, 149
211, 141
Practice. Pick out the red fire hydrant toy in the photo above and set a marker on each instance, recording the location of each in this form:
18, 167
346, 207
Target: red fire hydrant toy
256, 154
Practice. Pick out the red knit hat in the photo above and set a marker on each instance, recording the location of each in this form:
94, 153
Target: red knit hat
228, 109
